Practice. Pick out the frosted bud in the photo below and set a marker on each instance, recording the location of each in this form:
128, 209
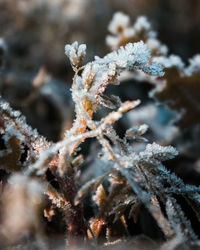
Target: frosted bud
75, 53
119, 22
88, 75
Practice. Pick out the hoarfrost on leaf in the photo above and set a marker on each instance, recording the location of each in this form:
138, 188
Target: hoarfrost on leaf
132, 56
159, 152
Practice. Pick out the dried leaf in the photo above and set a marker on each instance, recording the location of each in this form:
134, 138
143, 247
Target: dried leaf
89, 186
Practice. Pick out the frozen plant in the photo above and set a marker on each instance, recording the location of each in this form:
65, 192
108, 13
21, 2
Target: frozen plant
123, 32
131, 180
178, 88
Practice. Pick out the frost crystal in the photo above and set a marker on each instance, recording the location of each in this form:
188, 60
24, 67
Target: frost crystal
169, 62
194, 65
142, 23
75, 52
159, 152
123, 32
155, 45
118, 23
132, 56
96, 76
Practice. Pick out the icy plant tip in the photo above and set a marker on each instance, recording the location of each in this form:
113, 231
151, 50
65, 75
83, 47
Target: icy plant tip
75, 53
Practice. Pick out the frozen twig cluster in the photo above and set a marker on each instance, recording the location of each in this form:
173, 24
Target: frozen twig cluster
123, 32
177, 88
132, 179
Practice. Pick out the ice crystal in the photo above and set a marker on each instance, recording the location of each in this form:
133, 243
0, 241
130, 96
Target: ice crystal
194, 65
118, 23
123, 32
75, 52
169, 62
